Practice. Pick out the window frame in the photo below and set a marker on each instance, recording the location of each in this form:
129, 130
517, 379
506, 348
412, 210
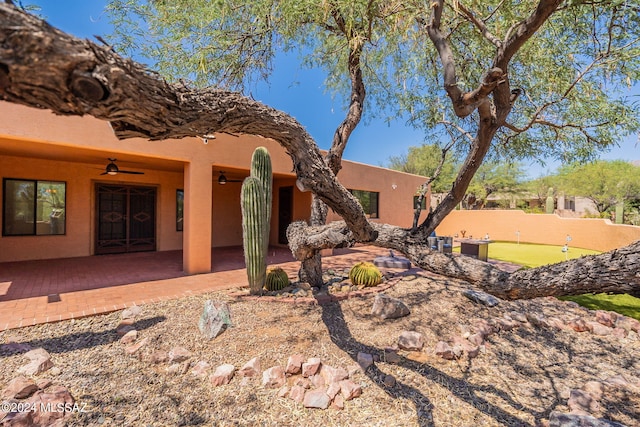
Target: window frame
371, 215
34, 219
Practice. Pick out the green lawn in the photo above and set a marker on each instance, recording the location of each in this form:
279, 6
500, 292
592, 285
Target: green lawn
530, 255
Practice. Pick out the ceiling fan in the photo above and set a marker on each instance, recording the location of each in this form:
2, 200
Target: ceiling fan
223, 179
113, 169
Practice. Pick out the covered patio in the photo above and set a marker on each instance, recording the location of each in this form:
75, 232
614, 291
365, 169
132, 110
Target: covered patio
42, 291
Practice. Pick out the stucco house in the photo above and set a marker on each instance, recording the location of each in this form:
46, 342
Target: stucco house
71, 189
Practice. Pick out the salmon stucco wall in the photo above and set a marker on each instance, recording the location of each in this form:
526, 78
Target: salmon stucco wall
80, 207
550, 229
396, 192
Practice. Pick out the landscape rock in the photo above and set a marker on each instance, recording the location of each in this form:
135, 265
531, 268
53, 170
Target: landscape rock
201, 369
311, 367
481, 297
284, 391
391, 356
389, 380
481, 326
55, 397
303, 382
620, 333
364, 360
628, 324
595, 389
294, 364
580, 400
537, 319
215, 318
338, 402
559, 419
333, 390
131, 312
124, 327
129, 337
410, 340
133, 349
274, 377
349, 389
332, 375
317, 399
599, 328
386, 307
40, 362
179, 354
19, 388
606, 318
444, 350
317, 381
579, 325
392, 261
476, 339
251, 368
297, 393
222, 375
178, 368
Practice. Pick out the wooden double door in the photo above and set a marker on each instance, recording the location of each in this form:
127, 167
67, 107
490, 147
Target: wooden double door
125, 219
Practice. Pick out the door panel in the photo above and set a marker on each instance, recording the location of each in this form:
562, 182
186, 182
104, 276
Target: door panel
126, 219
285, 212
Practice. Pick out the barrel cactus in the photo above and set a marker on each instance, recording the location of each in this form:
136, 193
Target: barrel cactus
277, 279
253, 222
365, 273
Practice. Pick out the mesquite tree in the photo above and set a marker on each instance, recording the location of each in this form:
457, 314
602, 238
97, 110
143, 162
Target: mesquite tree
44, 68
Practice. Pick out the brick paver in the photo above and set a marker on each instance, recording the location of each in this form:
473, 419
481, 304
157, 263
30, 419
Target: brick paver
34, 292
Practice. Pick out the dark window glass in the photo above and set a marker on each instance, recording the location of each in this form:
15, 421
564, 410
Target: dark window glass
369, 202
33, 207
180, 210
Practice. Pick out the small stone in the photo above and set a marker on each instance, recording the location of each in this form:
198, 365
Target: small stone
317, 399
273, 377
386, 307
251, 368
19, 388
294, 364
345, 288
125, 326
595, 389
579, 325
55, 397
581, 400
410, 340
129, 337
628, 323
179, 354
444, 350
133, 349
311, 367
338, 402
303, 382
537, 319
619, 333
606, 318
215, 318
201, 369
481, 298
131, 312
222, 375
559, 419
520, 317
483, 327
317, 381
283, 392
332, 375
599, 329
350, 390
389, 380
55, 371
476, 339
40, 362
43, 383
333, 390
364, 360
297, 393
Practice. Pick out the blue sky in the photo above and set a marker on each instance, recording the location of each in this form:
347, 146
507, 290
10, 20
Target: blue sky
299, 92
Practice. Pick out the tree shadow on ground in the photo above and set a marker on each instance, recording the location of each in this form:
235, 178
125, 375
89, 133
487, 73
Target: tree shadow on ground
333, 318
74, 341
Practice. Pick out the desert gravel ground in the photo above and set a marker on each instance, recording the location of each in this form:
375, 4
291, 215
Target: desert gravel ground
519, 377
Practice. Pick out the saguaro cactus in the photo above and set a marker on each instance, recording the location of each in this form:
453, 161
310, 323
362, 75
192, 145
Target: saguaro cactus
252, 201
261, 169
256, 218
549, 202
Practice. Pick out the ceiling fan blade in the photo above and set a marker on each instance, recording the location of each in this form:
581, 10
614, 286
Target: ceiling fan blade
131, 172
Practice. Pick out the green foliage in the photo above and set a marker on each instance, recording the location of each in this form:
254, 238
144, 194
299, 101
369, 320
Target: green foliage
365, 273
494, 178
604, 182
277, 279
252, 201
424, 160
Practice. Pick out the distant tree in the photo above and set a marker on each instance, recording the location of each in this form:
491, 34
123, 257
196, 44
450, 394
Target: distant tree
425, 160
605, 183
539, 187
497, 178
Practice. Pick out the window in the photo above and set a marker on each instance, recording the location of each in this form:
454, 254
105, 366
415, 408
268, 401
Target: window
369, 202
179, 210
33, 208
415, 203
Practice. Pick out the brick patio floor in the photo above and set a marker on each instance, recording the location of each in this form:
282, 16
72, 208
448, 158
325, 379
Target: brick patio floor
34, 292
